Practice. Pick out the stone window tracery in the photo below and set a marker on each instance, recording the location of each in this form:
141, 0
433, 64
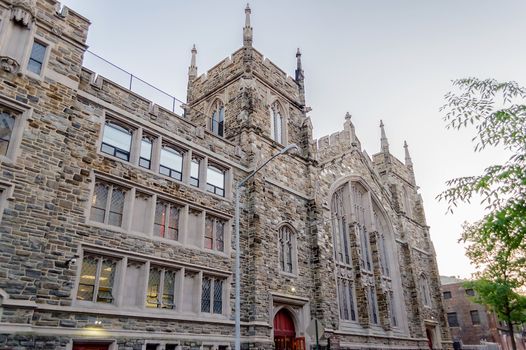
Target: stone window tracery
107, 203
362, 242
7, 124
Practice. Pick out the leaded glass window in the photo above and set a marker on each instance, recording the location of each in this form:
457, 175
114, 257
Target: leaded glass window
166, 221
214, 233
7, 123
212, 295
161, 288
107, 203
97, 277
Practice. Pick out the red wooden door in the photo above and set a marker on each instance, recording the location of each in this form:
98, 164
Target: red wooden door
284, 325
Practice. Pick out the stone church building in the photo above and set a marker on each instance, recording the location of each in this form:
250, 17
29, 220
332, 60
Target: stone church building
117, 214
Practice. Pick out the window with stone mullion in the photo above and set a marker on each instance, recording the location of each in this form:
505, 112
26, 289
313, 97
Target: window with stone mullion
339, 227
166, 220
96, 279
161, 288
360, 204
346, 299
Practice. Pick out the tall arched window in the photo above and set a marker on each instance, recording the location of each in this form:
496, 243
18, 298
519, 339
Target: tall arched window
363, 240
217, 120
286, 249
276, 123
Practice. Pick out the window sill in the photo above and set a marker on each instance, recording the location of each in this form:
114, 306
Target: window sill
112, 309
288, 274
172, 242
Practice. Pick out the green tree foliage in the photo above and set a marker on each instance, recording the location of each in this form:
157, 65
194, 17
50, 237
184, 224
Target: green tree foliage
496, 243
501, 297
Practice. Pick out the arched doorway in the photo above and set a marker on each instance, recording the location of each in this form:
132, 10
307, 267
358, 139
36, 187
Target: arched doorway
285, 332
429, 334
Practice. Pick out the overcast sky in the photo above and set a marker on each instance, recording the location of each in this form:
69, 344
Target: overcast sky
386, 59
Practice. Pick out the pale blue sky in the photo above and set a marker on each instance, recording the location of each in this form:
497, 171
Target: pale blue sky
389, 59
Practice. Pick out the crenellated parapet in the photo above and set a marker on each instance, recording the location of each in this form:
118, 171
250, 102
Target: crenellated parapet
337, 143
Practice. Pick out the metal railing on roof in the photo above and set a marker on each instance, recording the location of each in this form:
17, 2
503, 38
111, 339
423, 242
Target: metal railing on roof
127, 80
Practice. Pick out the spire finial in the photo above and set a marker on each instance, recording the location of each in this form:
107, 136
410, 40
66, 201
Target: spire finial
383, 140
192, 70
348, 116
408, 161
247, 30
299, 70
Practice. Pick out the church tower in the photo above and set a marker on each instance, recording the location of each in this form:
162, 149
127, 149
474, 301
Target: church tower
248, 100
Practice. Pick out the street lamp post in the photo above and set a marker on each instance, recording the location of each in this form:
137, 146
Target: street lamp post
239, 185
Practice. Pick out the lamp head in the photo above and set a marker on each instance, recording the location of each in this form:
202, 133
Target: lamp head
292, 148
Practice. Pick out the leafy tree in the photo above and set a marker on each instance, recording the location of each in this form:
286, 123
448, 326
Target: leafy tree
501, 298
496, 243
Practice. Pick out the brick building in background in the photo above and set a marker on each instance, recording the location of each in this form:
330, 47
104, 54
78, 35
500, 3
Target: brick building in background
473, 324
116, 213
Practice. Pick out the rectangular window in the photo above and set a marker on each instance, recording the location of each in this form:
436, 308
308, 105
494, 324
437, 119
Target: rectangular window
215, 233
212, 295
194, 172
171, 163
470, 292
7, 124
161, 288
447, 295
452, 319
145, 159
116, 140
166, 222
36, 59
96, 279
215, 180
107, 203
475, 318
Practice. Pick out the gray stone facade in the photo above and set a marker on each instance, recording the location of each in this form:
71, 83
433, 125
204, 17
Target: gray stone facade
105, 245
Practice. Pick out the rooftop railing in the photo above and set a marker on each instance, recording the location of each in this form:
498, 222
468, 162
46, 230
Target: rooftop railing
127, 80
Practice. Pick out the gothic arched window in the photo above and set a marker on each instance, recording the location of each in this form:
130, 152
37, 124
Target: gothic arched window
424, 290
276, 123
217, 120
363, 241
286, 249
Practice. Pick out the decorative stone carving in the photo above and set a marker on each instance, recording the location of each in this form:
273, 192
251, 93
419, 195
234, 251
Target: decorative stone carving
9, 65
23, 11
